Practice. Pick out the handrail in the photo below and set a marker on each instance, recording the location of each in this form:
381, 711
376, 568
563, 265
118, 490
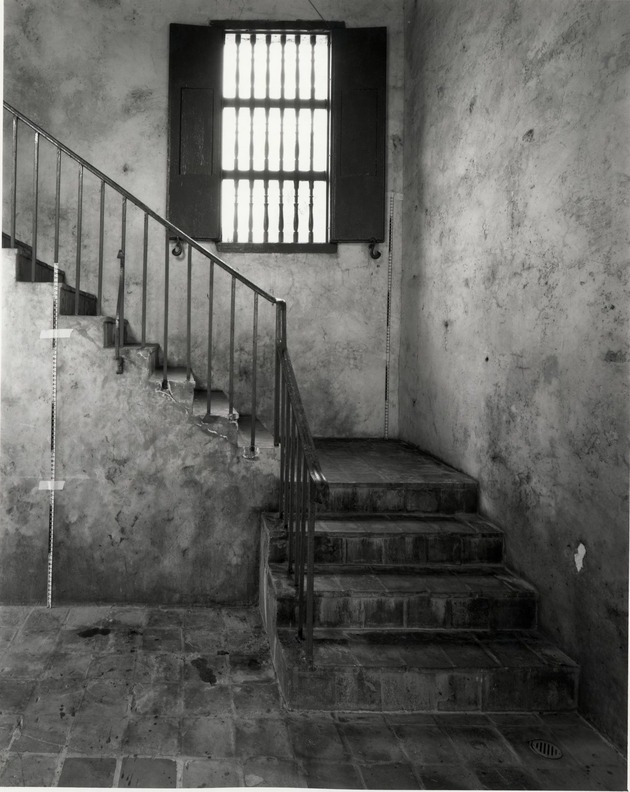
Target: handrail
177, 232
303, 486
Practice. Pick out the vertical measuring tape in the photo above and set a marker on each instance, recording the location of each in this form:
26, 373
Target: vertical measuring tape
389, 312
53, 432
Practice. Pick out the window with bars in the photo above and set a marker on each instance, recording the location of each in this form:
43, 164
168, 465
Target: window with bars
275, 138
277, 134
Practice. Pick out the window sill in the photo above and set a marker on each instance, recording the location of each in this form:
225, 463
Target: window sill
275, 247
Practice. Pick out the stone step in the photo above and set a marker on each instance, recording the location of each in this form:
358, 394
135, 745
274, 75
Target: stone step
398, 539
425, 672
445, 599
375, 476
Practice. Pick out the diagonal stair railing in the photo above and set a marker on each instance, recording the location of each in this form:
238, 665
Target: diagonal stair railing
303, 487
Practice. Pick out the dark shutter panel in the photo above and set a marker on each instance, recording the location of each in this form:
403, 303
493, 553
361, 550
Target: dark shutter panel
359, 69
194, 99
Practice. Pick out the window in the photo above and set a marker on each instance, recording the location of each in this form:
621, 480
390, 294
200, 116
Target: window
277, 134
274, 186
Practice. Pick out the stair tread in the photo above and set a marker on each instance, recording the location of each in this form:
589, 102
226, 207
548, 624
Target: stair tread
426, 649
491, 582
388, 525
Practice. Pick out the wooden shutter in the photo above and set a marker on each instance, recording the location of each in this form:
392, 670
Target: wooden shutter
195, 87
359, 68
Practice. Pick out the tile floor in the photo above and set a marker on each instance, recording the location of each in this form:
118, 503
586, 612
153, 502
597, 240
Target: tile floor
149, 697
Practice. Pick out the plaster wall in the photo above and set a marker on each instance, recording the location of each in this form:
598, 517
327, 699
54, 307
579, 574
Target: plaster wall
156, 506
514, 339
95, 75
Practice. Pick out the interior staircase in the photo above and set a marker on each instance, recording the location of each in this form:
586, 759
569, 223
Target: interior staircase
414, 607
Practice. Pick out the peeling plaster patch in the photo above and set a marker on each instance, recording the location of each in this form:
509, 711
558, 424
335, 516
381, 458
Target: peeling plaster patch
579, 557
616, 357
528, 136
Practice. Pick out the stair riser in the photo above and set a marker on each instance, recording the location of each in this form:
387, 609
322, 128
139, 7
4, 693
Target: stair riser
417, 498
424, 611
428, 548
428, 690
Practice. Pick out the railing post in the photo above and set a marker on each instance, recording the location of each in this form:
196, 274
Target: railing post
145, 245
101, 235
14, 183
310, 575
208, 416
35, 205
57, 207
79, 241
166, 283
280, 344
231, 413
188, 313
120, 313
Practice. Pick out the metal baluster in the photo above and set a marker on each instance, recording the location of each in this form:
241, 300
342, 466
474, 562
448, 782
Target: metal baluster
123, 245
288, 512
280, 435
210, 317
299, 479
279, 344
252, 447
35, 205
79, 241
166, 285
310, 575
291, 482
57, 210
302, 498
101, 234
189, 315
231, 413
14, 180
145, 250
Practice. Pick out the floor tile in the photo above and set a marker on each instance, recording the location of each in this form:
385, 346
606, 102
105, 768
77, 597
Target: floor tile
604, 777
158, 668
447, 776
28, 770
23, 664
204, 640
269, 771
206, 669
144, 773
425, 744
67, 666
371, 741
332, 775
257, 699
14, 696
42, 620
162, 699
87, 772
204, 699
316, 737
212, 773
480, 744
251, 667
262, 737
207, 736
162, 639
389, 776
151, 736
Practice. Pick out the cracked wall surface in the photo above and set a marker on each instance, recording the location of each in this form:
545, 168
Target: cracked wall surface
95, 75
514, 339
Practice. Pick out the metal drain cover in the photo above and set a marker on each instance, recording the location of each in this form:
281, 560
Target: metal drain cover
546, 749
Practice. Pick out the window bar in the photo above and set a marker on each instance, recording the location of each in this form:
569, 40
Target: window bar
266, 183
35, 204
57, 212
210, 317
254, 364
145, 248
165, 337
231, 413
237, 118
101, 232
14, 181
303, 544
250, 235
79, 241
283, 42
188, 313
312, 148
296, 183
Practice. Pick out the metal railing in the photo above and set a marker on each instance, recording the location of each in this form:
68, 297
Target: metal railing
302, 483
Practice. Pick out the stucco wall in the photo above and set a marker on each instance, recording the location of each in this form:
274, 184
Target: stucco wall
515, 296
156, 507
94, 74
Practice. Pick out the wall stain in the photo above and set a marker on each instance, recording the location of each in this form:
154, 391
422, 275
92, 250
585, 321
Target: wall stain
620, 356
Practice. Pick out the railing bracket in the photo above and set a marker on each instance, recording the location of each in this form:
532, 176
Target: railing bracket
251, 453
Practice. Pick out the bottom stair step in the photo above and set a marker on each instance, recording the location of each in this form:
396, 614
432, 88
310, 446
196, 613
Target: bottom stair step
425, 671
